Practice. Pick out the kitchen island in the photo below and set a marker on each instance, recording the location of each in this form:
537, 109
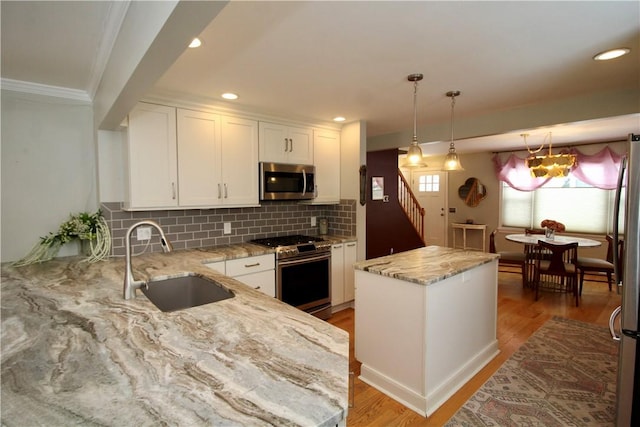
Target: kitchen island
425, 322
74, 352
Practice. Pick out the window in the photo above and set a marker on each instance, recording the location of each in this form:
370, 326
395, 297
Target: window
579, 206
429, 183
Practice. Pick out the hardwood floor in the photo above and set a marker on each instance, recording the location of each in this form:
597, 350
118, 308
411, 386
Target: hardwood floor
518, 317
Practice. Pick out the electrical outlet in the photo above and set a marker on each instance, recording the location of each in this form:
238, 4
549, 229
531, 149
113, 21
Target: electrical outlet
313, 221
143, 233
227, 228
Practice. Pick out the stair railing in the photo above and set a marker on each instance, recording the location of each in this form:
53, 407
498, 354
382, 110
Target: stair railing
410, 205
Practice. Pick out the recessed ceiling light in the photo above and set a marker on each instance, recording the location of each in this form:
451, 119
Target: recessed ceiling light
611, 54
229, 95
195, 43
339, 119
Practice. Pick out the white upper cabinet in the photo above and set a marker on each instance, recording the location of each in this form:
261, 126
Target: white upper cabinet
199, 158
240, 161
285, 144
151, 171
184, 158
217, 160
326, 155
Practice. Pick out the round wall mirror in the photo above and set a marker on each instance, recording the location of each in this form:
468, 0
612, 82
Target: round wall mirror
472, 192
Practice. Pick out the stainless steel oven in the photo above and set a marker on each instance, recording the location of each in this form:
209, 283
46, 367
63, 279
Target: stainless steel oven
303, 272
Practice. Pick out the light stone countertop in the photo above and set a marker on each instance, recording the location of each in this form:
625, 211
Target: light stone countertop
74, 352
425, 265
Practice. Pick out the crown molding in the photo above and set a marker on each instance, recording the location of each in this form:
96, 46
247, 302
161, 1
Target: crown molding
190, 102
111, 28
46, 90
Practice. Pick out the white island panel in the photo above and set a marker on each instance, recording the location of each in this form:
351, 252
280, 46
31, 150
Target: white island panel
419, 341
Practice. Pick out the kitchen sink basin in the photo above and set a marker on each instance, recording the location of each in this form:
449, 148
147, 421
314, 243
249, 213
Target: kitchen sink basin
178, 293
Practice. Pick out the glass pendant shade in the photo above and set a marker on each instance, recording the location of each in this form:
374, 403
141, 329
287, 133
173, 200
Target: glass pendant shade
452, 161
414, 154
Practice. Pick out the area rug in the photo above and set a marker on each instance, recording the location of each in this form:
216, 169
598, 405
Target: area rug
564, 375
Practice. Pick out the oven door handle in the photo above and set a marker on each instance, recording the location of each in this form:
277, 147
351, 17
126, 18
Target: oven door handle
286, 262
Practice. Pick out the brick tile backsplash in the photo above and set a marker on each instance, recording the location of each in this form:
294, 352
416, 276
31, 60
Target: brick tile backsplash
194, 228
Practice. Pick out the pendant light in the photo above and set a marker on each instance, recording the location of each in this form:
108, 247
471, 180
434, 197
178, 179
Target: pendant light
414, 154
452, 162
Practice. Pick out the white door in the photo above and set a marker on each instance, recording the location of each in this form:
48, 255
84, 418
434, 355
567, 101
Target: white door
430, 188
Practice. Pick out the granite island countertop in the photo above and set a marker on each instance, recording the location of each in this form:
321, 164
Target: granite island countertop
425, 265
75, 352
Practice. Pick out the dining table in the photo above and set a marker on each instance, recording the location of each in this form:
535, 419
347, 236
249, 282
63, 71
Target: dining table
531, 240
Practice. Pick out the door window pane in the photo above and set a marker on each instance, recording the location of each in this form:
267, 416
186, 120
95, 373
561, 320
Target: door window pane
428, 183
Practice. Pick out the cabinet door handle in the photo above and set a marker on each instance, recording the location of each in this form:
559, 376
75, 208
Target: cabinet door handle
290, 145
351, 245
219, 192
337, 246
225, 190
257, 287
173, 190
251, 265
286, 145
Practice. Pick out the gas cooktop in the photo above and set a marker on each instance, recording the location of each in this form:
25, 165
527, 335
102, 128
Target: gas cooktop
295, 245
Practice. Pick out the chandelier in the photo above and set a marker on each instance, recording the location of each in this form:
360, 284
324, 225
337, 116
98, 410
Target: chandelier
414, 154
549, 165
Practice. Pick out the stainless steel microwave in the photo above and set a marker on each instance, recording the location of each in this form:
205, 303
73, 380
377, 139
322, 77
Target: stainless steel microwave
280, 181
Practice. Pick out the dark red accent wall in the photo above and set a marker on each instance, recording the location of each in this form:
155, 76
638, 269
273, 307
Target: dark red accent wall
387, 225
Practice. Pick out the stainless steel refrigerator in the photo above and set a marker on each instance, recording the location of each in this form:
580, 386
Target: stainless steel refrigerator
628, 387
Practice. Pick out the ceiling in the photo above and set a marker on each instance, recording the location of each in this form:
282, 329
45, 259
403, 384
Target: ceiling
317, 60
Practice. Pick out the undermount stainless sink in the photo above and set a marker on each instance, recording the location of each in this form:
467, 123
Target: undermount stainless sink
178, 293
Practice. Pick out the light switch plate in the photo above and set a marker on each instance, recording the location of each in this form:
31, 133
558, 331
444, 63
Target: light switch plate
143, 233
227, 228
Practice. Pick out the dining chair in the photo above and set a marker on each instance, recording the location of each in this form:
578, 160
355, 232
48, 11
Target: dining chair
599, 265
555, 268
507, 258
527, 269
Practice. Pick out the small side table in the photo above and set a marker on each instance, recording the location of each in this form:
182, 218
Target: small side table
464, 228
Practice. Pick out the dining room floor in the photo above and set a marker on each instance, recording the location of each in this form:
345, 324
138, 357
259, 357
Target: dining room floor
518, 317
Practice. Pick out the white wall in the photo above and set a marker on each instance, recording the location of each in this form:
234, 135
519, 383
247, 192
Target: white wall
48, 168
111, 165
353, 154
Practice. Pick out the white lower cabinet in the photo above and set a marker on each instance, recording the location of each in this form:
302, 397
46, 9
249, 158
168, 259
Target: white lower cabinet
217, 266
343, 256
257, 271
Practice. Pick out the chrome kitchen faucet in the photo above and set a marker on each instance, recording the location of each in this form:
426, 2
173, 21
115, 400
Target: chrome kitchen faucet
130, 284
